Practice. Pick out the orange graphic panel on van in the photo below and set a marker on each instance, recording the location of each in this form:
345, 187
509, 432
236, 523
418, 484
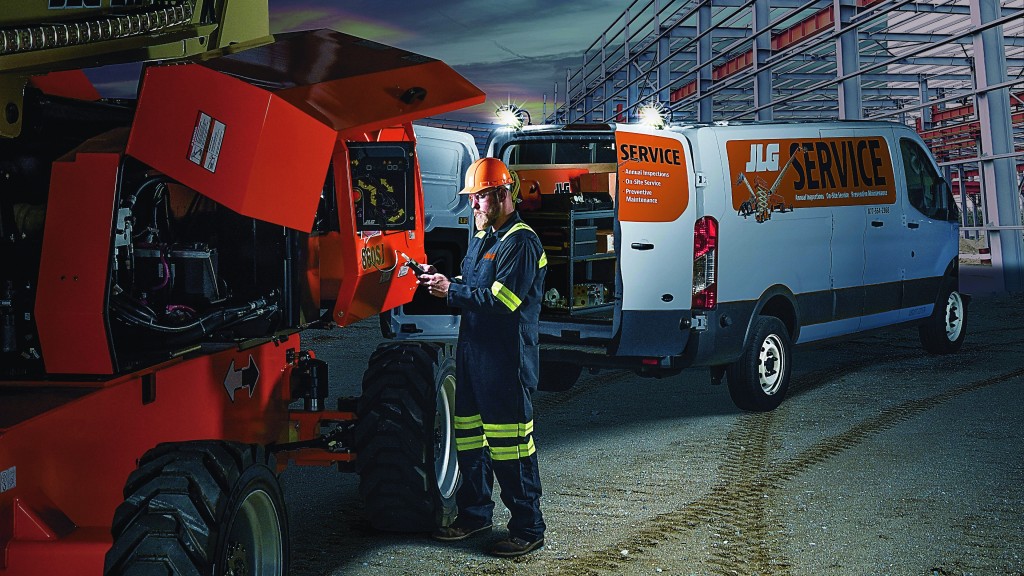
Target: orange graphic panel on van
774, 176
653, 184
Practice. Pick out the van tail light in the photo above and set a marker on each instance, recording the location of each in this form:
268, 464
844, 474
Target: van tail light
705, 263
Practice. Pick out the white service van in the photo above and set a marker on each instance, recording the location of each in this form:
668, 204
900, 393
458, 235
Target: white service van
724, 245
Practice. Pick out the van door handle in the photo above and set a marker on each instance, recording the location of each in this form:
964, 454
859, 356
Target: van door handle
641, 246
913, 224
877, 223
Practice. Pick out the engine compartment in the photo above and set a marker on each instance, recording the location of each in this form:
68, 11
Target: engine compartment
180, 269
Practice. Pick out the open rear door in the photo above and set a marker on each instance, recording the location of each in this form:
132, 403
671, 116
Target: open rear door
654, 240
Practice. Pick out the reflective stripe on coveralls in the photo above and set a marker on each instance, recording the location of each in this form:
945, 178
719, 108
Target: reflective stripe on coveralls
496, 437
499, 290
497, 367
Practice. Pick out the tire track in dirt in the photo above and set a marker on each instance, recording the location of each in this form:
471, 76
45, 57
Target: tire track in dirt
735, 508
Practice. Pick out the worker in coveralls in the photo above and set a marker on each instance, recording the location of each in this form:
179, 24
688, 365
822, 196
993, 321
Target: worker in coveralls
497, 363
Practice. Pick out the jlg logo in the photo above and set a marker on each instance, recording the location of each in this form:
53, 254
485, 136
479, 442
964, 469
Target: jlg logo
562, 188
763, 158
373, 257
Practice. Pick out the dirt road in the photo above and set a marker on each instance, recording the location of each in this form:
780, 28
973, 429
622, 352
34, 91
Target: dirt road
882, 460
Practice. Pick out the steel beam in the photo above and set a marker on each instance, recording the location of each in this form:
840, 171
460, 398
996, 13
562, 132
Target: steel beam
933, 38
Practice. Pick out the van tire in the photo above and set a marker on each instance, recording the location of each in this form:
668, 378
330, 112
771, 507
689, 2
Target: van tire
944, 331
405, 437
758, 380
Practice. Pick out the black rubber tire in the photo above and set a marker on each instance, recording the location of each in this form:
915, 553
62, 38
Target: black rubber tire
205, 508
405, 437
943, 332
558, 376
756, 381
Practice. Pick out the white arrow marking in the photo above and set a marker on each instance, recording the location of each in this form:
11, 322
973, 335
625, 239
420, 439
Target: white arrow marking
241, 378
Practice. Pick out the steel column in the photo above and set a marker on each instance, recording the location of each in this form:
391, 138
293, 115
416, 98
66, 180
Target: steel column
926, 111
705, 105
632, 79
762, 50
998, 176
607, 83
664, 65
848, 60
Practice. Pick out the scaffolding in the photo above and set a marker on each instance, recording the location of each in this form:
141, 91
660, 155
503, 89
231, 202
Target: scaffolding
953, 69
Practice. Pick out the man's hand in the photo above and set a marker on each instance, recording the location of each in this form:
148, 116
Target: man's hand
437, 284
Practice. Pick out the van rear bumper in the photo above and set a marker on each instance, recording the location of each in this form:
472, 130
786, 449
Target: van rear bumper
722, 341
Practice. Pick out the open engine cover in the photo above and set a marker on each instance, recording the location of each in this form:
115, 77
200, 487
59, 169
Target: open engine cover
253, 128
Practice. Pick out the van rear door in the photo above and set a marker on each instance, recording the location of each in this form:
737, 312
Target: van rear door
655, 211
444, 156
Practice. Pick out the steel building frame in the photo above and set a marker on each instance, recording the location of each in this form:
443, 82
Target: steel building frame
952, 68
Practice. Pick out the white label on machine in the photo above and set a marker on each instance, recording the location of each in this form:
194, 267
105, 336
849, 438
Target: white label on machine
213, 152
199, 136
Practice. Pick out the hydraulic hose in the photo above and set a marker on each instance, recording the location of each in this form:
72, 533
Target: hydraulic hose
139, 316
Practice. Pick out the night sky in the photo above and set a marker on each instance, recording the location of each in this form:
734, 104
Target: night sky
514, 51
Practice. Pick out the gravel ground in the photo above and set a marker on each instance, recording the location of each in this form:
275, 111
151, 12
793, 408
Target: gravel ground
882, 461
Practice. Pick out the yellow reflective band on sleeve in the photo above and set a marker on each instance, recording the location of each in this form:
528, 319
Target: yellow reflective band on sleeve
470, 443
481, 234
507, 297
513, 452
543, 261
508, 430
468, 422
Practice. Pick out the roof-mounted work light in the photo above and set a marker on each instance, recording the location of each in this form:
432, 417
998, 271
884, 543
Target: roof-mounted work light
652, 115
512, 116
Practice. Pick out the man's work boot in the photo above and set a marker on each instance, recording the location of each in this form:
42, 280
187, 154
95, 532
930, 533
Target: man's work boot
512, 547
455, 533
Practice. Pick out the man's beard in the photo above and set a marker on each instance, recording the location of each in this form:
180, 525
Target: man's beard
485, 219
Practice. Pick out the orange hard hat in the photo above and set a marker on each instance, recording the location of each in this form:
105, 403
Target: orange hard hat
486, 173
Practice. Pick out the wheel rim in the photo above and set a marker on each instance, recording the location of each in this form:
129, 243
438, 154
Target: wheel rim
954, 316
254, 542
446, 465
771, 364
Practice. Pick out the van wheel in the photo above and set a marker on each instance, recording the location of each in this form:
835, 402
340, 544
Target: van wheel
759, 378
943, 332
405, 437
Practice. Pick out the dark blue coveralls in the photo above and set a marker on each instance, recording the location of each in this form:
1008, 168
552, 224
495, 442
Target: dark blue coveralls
497, 366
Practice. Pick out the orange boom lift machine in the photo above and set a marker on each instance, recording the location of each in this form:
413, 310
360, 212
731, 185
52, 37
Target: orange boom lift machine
161, 257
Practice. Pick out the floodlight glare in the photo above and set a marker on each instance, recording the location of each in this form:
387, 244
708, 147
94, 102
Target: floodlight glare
650, 115
512, 116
